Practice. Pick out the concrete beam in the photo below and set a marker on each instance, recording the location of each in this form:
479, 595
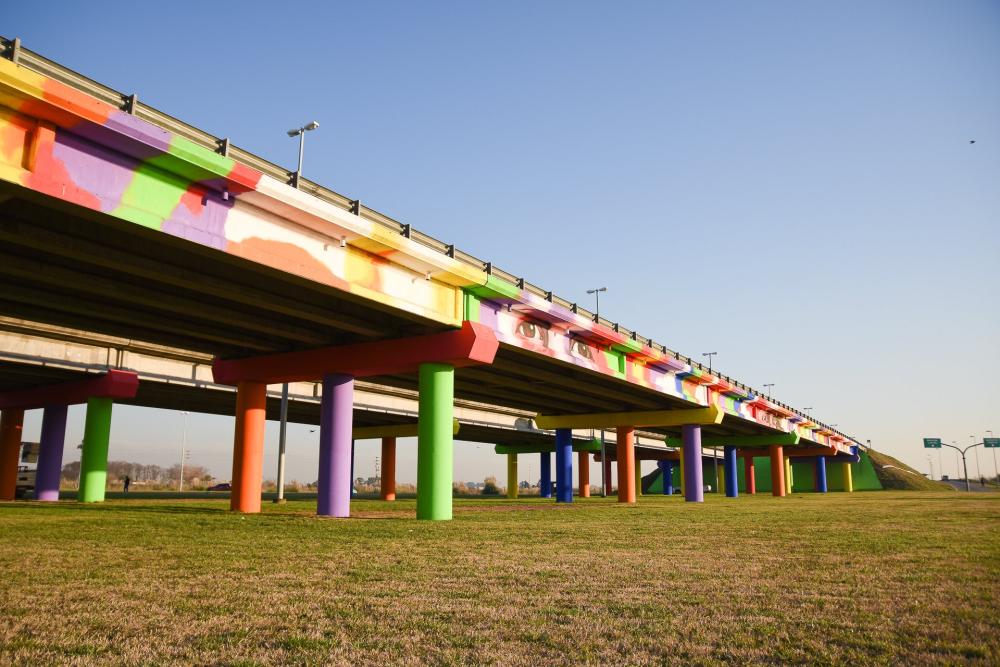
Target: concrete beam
394, 431
578, 446
473, 344
741, 440
113, 384
645, 418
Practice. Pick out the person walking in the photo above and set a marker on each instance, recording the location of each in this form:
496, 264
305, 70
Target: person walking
127, 483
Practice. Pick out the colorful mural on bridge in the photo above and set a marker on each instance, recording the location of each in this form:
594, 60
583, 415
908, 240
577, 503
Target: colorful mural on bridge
61, 142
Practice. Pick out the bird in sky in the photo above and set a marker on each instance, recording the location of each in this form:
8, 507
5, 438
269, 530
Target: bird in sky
972, 141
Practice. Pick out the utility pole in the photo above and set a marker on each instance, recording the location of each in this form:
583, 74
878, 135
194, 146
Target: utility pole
604, 455
715, 450
184, 436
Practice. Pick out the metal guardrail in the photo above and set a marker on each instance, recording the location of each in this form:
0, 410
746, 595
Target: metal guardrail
14, 51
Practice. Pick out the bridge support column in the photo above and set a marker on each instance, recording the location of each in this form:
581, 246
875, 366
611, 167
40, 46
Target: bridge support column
777, 470
564, 465
666, 476
626, 464
545, 472
749, 472
435, 441
729, 472
638, 478
248, 447
94, 457
820, 474
512, 475
680, 462
848, 480
583, 463
606, 471
11, 425
694, 486
388, 468
50, 453
788, 475
336, 447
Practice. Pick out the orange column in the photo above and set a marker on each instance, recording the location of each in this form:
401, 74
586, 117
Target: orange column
626, 464
583, 464
11, 423
388, 468
777, 470
749, 472
248, 447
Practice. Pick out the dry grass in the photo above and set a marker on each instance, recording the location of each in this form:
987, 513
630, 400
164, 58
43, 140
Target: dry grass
893, 577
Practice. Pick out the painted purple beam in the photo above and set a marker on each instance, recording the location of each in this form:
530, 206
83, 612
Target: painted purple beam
113, 384
48, 471
335, 446
729, 471
694, 488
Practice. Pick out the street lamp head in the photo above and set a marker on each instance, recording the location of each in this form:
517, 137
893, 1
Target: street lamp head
595, 291
305, 128
294, 133
311, 126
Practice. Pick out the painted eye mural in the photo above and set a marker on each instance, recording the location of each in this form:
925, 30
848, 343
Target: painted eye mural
535, 333
579, 349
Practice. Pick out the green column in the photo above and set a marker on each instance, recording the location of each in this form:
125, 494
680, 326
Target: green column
94, 459
434, 442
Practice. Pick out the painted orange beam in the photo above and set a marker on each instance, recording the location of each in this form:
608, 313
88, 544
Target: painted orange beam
777, 470
583, 464
11, 424
792, 452
388, 468
626, 464
113, 384
473, 344
749, 472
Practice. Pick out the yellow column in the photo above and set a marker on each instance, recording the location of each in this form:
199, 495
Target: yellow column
638, 478
722, 483
788, 475
848, 480
512, 475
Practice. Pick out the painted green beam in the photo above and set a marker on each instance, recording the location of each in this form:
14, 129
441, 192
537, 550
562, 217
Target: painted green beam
394, 431
645, 418
593, 445
740, 440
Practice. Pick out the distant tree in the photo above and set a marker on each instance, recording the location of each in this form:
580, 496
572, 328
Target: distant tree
490, 487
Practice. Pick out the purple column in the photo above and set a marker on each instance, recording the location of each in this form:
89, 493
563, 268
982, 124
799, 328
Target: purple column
545, 484
50, 453
335, 427
694, 484
564, 465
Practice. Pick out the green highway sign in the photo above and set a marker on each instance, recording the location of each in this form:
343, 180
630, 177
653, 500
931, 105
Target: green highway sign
932, 443
991, 442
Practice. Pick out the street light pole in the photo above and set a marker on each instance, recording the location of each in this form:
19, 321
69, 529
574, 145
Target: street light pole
996, 474
604, 455
184, 437
979, 473
715, 450
768, 387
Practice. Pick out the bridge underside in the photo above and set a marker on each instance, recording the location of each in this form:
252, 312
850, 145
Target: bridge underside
69, 266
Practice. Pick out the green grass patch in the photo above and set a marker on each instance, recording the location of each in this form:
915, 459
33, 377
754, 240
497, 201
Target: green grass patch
886, 578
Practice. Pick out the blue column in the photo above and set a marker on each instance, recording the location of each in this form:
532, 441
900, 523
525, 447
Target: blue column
729, 471
545, 485
564, 465
48, 470
820, 474
694, 483
667, 476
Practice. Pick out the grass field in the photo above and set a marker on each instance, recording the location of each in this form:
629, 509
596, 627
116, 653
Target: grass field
881, 577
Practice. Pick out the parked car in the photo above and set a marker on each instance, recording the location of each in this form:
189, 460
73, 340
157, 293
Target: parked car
225, 486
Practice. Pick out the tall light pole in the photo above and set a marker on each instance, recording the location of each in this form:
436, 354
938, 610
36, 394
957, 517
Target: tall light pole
996, 474
184, 437
768, 387
283, 418
604, 455
715, 450
972, 439
301, 134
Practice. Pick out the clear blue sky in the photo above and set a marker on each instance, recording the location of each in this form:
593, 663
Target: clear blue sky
789, 184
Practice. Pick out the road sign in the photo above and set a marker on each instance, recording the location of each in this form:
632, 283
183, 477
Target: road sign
991, 442
932, 443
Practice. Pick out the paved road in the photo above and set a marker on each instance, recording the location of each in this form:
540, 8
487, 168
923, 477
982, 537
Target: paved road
973, 486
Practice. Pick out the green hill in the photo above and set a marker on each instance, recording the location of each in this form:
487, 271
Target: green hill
895, 474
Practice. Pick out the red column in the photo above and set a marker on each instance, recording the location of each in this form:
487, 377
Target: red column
749, 472
606, 467
626, 464
248, 447
777, 470
388, 468
583, 463
11, 422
